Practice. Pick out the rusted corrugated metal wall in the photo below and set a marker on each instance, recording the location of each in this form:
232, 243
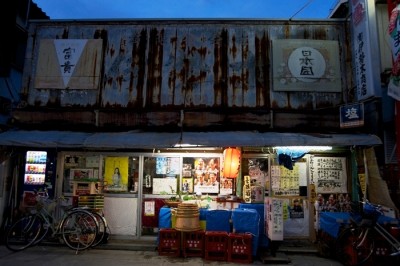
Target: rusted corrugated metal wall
221, 67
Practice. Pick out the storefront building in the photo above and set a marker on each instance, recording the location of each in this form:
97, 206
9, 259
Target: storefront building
140, 112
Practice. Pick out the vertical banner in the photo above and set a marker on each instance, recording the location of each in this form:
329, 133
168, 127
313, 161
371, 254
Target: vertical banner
394, 30
247, 189
365, 43
274, 211
363, 183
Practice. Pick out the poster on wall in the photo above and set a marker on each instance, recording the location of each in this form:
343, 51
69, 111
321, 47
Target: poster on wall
296, 209
258, 171
329, 174
226, 186
285, 182
296, 218
116, 174
206, 175
167, 166
81, 174
165, 186
149, 208
187, 185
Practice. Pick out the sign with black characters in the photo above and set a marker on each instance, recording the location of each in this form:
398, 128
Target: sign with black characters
329, 174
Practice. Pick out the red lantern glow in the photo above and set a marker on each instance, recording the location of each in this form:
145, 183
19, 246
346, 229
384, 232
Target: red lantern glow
231, 162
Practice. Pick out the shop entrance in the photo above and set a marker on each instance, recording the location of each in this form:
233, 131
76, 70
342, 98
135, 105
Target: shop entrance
160, 181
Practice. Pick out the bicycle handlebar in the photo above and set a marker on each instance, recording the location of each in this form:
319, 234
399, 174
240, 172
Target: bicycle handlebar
371, 207
44, 196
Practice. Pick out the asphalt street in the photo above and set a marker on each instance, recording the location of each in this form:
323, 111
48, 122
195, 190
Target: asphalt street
63, 256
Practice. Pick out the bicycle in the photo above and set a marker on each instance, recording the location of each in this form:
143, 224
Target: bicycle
77, 228
104, 230
356, 244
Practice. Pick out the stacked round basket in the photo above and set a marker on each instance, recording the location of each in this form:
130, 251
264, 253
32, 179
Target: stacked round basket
187, 217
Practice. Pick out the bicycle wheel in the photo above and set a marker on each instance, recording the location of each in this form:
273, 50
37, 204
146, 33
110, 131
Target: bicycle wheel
79, 229
352, 248
23, 233
103, 229
44, 230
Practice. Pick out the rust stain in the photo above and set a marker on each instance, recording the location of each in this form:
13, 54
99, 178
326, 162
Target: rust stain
122, 47
172, 73
120, 79
220, 67
172, 79
110, 81
245, 50
112, 51
233, 50
139, 47
245, 80
286, 29
154, 66
183, 44
200, 78
65, 33
235, 81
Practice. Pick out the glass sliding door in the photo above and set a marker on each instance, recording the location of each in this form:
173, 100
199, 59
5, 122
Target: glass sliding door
160, 181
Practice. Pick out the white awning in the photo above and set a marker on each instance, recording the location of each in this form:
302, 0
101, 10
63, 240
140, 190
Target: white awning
150, 140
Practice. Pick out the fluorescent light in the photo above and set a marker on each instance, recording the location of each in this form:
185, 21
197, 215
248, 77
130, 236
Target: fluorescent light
301, 148
185, 145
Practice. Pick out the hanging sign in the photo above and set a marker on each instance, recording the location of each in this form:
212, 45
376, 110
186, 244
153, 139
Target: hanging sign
352, 115
394, 31
247, 189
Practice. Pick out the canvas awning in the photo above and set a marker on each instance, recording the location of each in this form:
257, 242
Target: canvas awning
150, 140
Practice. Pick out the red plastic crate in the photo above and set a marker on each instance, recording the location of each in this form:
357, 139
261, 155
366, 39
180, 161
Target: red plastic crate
169, 242
216, 244
193, 244
239, 248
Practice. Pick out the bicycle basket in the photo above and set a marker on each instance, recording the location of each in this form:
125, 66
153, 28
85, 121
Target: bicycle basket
39, 203
45, 203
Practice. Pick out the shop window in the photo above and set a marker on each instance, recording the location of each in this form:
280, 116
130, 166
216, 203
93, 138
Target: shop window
121, 174
83, 170
161, 175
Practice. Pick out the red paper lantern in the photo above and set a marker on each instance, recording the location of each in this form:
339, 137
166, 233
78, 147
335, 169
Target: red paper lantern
231, 162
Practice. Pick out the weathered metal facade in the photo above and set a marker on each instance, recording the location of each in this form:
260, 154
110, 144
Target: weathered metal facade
208, 74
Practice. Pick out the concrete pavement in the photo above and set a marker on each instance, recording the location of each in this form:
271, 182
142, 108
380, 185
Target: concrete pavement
136, 253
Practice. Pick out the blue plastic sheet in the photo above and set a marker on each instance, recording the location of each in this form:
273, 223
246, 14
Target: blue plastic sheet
218, 220
247, 221
164, 218
330, 222
260, 208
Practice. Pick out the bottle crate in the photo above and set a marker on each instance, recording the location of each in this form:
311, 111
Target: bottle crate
193, 244
169, 243
216, 244
239, 248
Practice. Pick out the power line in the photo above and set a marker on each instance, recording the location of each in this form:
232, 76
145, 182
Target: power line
301, 9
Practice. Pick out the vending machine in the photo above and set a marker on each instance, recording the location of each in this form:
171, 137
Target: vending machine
38, 173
